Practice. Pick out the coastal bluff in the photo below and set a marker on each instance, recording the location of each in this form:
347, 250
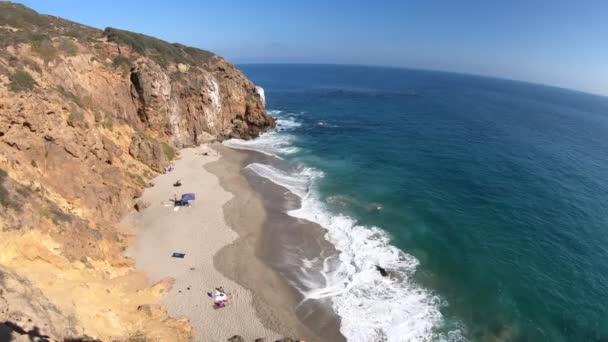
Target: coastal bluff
87, 118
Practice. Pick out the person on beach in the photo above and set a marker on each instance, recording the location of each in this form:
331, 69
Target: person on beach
220, 298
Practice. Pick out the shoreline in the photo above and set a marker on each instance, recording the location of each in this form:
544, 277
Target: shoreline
263, 242
200, 232
232, 237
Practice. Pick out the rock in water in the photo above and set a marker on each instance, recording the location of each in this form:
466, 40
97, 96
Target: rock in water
382, 271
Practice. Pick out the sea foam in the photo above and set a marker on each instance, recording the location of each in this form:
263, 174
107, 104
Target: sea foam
371, 307
275, 143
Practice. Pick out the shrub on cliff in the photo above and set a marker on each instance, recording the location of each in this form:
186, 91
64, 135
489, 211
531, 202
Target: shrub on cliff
56, 215
21, 80
4, 195
160, 51
169, 151
121, 61
21, 24
69, 47
43, 46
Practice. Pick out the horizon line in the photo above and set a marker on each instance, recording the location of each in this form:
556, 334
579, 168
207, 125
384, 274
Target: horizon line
461, 73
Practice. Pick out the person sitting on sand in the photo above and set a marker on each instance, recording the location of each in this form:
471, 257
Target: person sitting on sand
178, 183
220, 298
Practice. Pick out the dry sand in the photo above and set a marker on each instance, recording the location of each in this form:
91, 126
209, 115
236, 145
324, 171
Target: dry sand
199, 232
245, 260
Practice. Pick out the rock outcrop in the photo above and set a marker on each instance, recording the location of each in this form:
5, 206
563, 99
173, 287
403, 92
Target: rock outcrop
87, 118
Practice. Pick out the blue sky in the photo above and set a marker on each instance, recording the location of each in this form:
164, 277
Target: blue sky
562, 43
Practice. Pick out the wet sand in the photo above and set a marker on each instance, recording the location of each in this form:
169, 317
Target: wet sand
237, 235
266, 242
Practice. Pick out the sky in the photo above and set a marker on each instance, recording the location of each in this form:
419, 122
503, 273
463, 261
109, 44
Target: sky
560, 43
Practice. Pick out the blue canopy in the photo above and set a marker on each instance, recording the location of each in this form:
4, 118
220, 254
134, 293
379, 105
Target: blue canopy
188, 197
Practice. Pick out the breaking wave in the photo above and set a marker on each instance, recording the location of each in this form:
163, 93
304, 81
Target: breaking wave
371, 307
273, 143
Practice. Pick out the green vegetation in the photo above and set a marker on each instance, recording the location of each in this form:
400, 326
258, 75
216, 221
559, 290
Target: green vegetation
43, 46
138, 179
21, 80
30, 63
160, 51
176, 76
5, 196
138, 337
26, 25
69, 47
76, 117
5, 199
69, 95
121, 61
108, 123
169, 150
56, 215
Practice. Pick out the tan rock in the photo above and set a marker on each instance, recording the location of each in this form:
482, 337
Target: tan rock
99, 120
183, 67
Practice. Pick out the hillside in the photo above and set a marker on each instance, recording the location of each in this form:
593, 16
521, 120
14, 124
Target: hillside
87, 118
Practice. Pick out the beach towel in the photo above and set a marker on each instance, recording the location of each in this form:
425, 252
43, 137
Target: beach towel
178, 255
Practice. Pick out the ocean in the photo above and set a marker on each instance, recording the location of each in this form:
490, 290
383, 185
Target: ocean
485, 200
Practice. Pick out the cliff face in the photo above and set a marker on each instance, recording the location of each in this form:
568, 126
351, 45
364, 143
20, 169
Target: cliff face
87, 117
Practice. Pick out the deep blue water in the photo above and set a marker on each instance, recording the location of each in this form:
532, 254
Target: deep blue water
498, 188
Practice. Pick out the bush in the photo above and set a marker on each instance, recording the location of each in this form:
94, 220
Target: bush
30, 24
28, 62
160, 51
169, 151
5, 200
138, 337
108, 123
21, 80
56, 215
76, 118
5, 197
121, 61
69, 95
69, 47
43, 46
138, 179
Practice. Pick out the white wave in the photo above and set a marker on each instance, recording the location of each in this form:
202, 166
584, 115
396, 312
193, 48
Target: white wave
274, 143
287, 123
271, 143
371, 307
298, 183
274, 112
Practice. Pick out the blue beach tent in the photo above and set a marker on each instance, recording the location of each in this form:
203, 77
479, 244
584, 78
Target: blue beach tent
187, 197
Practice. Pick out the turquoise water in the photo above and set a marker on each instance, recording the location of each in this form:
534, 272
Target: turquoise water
496, 192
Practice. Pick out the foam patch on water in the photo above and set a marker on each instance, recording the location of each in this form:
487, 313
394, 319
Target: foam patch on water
298, 183
274, 112
270, 143
371, 307
274, 143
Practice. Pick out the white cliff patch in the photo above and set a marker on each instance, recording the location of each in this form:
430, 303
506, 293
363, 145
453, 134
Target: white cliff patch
216, 104
260, 92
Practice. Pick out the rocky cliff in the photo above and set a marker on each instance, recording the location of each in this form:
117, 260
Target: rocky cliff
87, 117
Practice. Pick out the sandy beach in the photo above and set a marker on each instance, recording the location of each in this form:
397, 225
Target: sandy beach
199, 232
